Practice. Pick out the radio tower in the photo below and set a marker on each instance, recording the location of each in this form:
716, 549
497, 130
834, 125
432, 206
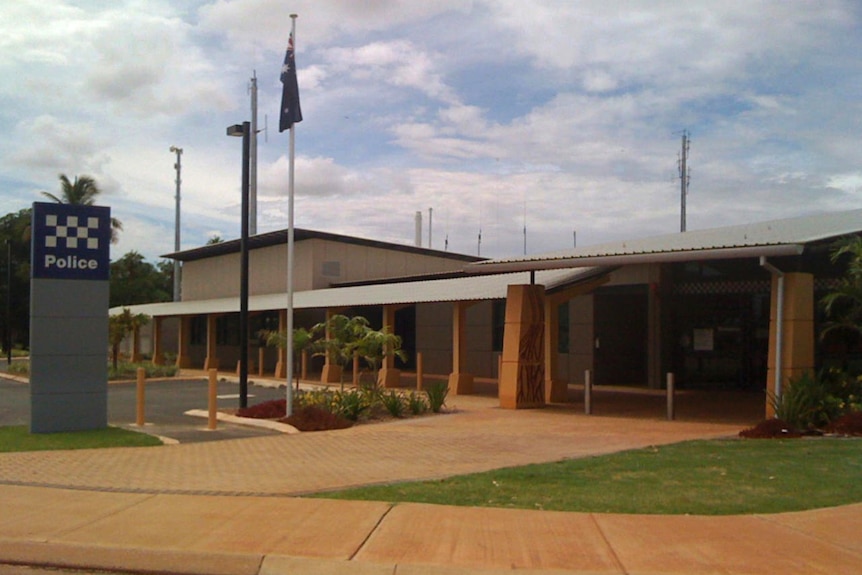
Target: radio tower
684, 178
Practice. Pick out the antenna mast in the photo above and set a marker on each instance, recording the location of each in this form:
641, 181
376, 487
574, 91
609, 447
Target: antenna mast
684, 178
252, 152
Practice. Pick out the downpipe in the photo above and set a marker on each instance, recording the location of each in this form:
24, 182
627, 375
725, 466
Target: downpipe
779, 322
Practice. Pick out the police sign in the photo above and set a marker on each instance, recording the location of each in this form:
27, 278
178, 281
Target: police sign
71, 241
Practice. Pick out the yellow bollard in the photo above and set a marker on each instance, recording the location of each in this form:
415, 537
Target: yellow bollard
419, 371
212, 403
140, 417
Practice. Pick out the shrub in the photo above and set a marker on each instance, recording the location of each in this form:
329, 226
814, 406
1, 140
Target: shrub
437, 392
19, 368
393, 402
812, 402
416, 403
128, 370
351, 403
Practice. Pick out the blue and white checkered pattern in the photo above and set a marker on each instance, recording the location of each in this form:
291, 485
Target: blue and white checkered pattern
72, 234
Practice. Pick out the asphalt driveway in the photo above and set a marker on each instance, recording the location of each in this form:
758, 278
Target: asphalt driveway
166, 404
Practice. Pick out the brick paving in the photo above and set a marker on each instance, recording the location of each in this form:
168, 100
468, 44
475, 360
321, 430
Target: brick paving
477, 437
164, 509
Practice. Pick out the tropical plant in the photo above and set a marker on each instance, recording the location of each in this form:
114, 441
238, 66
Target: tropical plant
813, 401
303, 340
376, 345
342, 336
416, 403
393, 402
437, 392
119, 326
352, 403
843, 305
82, 191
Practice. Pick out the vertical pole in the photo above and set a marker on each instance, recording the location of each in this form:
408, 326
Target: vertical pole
419, 371
671, 392
8, 303
430, 215
252, 184
683, 177
177, 271
243, 295
588, 392
212, 399
290, 262
140, 412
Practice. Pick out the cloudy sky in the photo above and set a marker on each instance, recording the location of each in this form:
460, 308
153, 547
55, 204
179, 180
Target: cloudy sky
565, 115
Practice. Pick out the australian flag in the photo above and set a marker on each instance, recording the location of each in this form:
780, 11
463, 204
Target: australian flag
290, 110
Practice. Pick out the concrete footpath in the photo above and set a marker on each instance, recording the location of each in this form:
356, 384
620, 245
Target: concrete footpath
232, 507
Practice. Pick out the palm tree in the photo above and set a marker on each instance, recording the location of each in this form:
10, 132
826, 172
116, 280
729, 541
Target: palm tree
83, 191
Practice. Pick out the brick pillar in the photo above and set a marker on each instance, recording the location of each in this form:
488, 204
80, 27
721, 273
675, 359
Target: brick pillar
136, 345
522, 382
797, 354
158, 355
460, 382
185, 328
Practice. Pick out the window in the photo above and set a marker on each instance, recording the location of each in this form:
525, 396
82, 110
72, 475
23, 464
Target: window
563, 328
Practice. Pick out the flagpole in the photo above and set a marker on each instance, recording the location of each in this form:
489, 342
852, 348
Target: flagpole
290, 261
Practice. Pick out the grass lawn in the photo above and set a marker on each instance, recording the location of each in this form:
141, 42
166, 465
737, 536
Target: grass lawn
719, 477
19, 438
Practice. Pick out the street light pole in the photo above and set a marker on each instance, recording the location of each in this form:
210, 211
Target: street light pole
8, 303
243, 130
178, 168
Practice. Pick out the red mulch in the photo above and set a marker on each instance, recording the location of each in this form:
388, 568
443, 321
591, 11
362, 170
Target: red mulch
848, 424
310, 418
273, 409
770, 429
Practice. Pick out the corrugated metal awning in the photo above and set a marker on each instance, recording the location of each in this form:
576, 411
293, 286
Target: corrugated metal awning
773, 238
483, 287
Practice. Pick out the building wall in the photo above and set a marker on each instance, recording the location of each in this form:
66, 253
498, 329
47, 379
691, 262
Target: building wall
434, 337
481, 358
319, 263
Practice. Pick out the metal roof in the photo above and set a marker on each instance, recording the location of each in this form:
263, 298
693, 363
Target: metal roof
300, 234
481, 287
771, 238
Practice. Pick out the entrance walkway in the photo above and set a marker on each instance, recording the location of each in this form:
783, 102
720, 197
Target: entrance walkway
229, 506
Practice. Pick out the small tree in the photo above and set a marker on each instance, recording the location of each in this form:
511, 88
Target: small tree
343, 337
303, 340
376, 345
121, 325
